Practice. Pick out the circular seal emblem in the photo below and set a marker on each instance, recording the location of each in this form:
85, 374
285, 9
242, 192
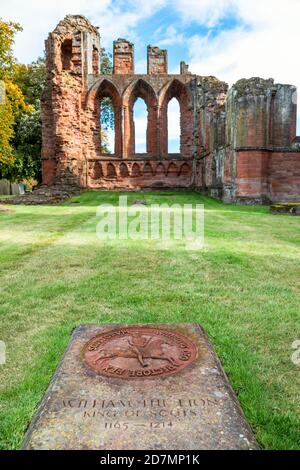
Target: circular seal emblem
139, 352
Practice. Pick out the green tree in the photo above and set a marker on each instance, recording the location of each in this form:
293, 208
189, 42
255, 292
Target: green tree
27, 139
20, 118
12, 101
107, 112
7, 37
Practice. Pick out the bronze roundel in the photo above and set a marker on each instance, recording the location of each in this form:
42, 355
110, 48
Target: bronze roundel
139, 352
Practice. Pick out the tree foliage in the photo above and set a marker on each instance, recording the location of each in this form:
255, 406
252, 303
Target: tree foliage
20, 119
27, 139
7, 35
107, 112
12, 102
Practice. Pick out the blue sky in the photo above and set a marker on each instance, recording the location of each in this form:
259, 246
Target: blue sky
167, 30
230, 39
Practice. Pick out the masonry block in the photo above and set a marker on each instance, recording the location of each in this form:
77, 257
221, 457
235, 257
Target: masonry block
123, 57
157, 60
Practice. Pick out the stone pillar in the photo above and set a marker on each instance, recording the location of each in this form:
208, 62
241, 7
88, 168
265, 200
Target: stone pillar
128, 132
152, 147
284, 116
123, 57
163, 130
184, 68
118, 131
157, 60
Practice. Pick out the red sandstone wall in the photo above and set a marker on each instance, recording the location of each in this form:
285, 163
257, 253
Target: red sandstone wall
269, 175
284, 179
157, 60
123, 57
137, 174
68, 73
252, 174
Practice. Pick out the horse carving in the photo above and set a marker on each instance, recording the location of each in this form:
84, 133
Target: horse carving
140, 348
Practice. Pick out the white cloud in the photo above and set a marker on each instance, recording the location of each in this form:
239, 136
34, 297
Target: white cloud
40, 17
205, 12
264, 44
171, 37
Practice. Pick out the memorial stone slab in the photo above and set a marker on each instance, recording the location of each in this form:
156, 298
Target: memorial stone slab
4, 187
152, 387
15, 189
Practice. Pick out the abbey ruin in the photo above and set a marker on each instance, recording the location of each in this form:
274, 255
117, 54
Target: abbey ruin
236, 144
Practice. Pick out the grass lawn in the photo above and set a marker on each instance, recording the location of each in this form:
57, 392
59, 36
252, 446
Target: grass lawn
243, 287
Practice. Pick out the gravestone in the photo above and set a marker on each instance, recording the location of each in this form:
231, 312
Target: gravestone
4, 187
15, 189
149, 387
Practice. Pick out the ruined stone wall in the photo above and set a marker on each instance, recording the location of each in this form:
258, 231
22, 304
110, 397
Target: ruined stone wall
157, 60
236, 145
72, 149
257, 160
123, 57
284, 176
72, 60
138, 174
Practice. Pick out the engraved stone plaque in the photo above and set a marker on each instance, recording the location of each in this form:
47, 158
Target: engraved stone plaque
139, 352
146, 387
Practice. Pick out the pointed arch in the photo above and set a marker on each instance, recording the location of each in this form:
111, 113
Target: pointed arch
140, 88
105, 88
108, 90
179, 90
96, 171
160, 170
173, 89
123, 170
147, 170
135, 170
185, 169
111, 171
172, 170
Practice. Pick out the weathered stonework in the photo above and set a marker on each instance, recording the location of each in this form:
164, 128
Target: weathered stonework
237, 145
152, 387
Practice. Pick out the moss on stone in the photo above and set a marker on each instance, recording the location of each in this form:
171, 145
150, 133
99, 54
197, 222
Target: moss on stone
292, 208
253, 86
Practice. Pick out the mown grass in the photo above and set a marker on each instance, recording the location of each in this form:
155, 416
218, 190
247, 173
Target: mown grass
243, 287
